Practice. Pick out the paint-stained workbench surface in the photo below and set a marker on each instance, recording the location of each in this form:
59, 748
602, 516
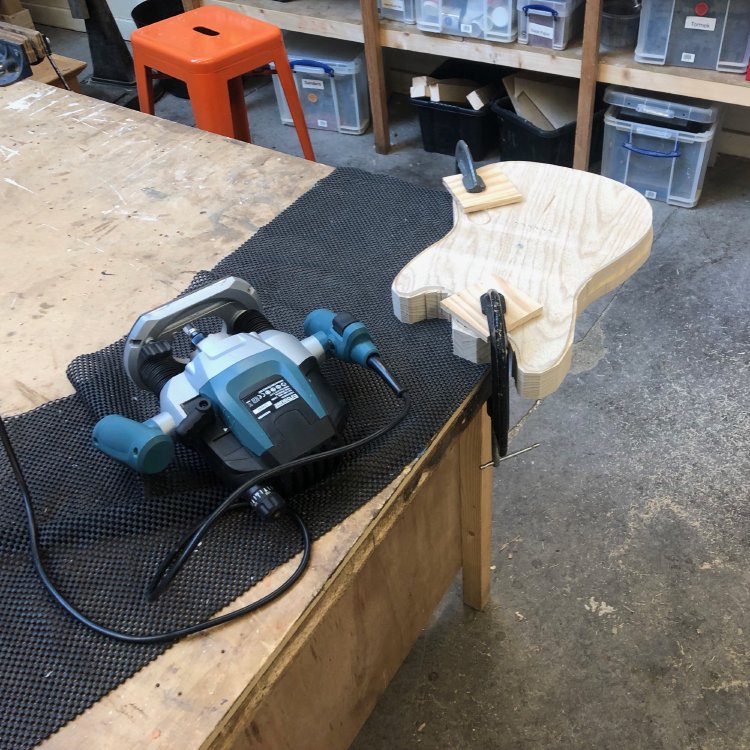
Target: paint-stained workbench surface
93, 195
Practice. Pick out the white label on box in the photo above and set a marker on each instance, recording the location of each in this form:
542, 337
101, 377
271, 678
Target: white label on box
538, 29
311, 83
699, 23
394, 5
650, 194
322, 123
466, 28
688, 57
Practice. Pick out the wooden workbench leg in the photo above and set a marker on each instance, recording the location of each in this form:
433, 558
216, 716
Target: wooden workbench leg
587, 86
476, 509
375, 75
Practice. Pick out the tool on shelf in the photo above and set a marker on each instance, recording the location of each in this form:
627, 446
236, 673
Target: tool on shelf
20, 48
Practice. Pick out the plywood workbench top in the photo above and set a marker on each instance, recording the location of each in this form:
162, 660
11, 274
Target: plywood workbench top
93, 193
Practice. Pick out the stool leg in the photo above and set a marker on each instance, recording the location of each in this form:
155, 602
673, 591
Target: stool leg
212, 108
144, 85
239, 110
295, 108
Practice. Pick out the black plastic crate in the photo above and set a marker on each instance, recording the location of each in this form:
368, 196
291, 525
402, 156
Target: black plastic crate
443, 124
520, 140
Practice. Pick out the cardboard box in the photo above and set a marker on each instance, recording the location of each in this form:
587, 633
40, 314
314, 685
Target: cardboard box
21, 18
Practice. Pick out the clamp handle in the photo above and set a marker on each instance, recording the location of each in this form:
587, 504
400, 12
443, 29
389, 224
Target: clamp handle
227, 299
465, 165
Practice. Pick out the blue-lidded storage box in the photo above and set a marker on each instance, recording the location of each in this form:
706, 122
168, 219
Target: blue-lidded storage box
398, 10
551, 24
660, 148
331, 80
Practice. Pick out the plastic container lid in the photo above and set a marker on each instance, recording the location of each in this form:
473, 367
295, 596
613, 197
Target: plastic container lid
550, 7
343, 56
675, 109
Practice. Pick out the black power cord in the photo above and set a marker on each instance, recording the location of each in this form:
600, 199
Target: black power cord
178, 558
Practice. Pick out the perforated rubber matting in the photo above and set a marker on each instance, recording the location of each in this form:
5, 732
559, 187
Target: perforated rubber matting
104, 528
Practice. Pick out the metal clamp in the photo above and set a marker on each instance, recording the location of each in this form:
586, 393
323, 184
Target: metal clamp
493, 306
465, 165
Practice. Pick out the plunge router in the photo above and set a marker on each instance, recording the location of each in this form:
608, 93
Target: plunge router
248, 397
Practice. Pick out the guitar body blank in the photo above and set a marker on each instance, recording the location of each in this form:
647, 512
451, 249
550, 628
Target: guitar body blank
573, 238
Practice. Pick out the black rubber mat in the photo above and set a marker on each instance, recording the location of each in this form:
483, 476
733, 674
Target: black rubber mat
104, 529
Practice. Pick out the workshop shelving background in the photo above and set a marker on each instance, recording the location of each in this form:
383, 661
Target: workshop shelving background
357, 20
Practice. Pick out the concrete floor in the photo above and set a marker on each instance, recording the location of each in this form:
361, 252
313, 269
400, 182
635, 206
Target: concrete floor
620, 584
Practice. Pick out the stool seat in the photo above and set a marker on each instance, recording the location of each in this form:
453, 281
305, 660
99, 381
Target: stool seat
209, 38
210, 48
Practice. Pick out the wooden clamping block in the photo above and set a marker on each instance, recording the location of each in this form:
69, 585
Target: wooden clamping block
574, 237
465, 305
499, 190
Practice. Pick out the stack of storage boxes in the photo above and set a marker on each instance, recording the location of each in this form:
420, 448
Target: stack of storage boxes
550, 24
659, 148
494, 20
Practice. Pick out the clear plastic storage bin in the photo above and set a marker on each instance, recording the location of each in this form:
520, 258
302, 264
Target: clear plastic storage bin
673, 33
494, 20
659, 148
398, 10
331, 80
550, 24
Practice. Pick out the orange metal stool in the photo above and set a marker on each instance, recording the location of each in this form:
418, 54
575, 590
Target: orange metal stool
210, 48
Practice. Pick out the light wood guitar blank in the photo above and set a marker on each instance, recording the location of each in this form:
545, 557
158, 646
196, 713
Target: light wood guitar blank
574, 237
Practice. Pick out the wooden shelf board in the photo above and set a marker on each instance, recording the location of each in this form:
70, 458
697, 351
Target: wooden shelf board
337, 19
342, 19
621, 69
565, 62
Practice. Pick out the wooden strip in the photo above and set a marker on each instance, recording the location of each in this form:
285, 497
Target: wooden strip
465, 305
587, 86
476, 510
448, 91
499, 190
420, 86
619, 68
375, 76
479, 98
